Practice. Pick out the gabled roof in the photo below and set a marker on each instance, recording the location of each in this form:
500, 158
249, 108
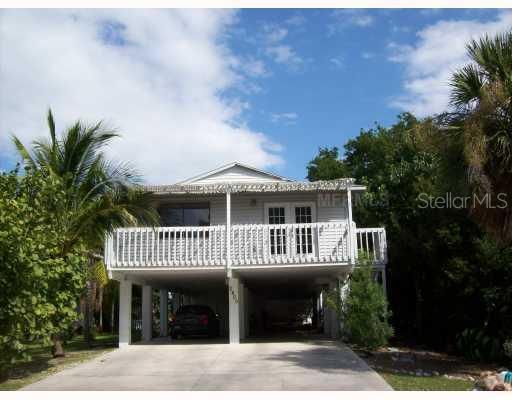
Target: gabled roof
239, 173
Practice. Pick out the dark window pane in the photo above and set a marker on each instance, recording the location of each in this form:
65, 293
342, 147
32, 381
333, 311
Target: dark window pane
171, 216
196, 217
185, 215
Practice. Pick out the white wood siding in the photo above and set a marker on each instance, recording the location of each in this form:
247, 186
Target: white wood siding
250, 208
236, 174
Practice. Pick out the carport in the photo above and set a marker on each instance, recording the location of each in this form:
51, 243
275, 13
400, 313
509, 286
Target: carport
254, 303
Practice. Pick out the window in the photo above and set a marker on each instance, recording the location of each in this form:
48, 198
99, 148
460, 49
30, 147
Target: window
303, 215
276, 215
185, 214
196, 214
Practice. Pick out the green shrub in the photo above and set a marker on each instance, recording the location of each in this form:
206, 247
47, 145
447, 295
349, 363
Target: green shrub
475, 344
507, 348
39, 284
365, 310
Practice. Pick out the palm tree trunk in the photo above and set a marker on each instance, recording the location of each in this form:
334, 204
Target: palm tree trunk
100, 307
112, 316
57, 349
419, 309
88, 314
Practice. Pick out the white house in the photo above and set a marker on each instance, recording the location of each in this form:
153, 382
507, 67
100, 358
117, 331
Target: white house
237, 238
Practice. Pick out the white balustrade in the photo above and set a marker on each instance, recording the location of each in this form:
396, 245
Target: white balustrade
251, 244
371, 243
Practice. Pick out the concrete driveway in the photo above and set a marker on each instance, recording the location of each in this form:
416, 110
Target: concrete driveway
311, 365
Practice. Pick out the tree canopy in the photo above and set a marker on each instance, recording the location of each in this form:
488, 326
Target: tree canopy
440, 261
40, 283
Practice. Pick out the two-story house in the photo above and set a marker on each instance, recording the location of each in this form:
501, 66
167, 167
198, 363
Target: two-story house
237, 239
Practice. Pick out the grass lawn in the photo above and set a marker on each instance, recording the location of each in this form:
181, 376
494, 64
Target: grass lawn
407, 382
43, 364
401, 365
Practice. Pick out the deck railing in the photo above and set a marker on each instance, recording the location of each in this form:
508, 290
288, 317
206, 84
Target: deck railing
251, 244
371, 243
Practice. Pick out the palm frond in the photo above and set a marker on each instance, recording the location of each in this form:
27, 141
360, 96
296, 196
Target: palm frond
24, 153
467, 85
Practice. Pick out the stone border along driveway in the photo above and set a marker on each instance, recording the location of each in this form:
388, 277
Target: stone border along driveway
308, 365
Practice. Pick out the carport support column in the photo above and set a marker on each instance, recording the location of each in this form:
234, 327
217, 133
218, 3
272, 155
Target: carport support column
247, 300
147, 312
333, 317
125, 313
234, 310
241, 309
164, 319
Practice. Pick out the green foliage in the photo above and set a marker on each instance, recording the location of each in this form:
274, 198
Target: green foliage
40, 283
98, 273
475, 344
441, 264
365, 310
100, 195
326, 165
507, 348
482, 100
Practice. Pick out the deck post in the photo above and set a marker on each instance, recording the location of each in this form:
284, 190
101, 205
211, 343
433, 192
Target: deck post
147, 312
228, 232
125, 313
241, 309
332, 315
246, 316
164, 319
234, 310
352, 246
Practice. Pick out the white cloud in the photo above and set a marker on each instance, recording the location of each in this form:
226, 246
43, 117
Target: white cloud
362, 20
295, 20
367, 55
254, 67
438, 52
347, 17
274, 34
399, 52
337, 62
288, 118
159, 76
284, 54
273, 46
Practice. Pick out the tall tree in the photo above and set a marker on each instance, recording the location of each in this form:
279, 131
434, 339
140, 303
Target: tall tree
100, 194
440, 262
40, 284
482, 98
326, 165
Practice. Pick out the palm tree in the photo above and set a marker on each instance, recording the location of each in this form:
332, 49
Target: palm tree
101, 195
482, 99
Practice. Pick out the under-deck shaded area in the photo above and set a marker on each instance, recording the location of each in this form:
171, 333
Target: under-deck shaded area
255, 304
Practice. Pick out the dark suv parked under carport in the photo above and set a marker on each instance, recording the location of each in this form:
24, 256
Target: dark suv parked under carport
195, 320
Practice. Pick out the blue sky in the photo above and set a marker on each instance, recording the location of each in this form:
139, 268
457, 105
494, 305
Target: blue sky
193, 90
